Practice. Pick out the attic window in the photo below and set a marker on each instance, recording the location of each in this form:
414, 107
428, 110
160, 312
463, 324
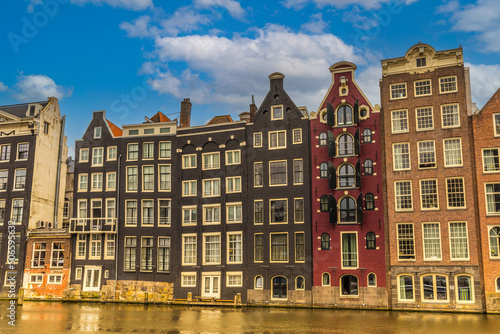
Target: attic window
164, 130
32, 110
46, 128
97, 132
149, 131
421, 62
133, 132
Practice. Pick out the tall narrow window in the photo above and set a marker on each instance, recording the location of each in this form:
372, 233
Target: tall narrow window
450, 116
322, 139
132, 178
403, 195
347, 176
23, 150
425, 120
132, 151
211, 254
57, 258
367, 136
165, 150
401, 156
165, 177
148, 178
131, 216
163, 254
164, 211
298, 171
495, 242
452, 152
130, 253
368, 167
325, 241
349, 250
426, 154
491, 160
258, 212
405, 285
371, 242
432, 241
258, 248
189, 250
20, 179
234, 248
345, 145
459, 243
369, 202
347, 210
493, 198
148, 151
279, 247
97, 156
344, 115
146, 254
148, 212
455, 193
399, 121
406, 244
258, 174
299, 210
323, 170
300, 247
95, 246
429, 194
17, 210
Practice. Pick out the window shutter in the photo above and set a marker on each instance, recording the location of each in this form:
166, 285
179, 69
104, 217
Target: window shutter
356, 142
358, 174
356, 112
330, 114
331, 144
332, 206
332, 176
360, 208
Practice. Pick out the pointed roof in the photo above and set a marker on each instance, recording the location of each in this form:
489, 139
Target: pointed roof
221, 119
19, 110
159, 117
117, 132
493, 102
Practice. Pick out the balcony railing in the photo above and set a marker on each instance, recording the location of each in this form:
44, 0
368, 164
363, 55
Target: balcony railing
92, 225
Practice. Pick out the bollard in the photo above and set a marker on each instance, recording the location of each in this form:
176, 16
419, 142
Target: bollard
20, 298
190, 296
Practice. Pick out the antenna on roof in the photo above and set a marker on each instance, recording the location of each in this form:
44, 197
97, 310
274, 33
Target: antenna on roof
253, 101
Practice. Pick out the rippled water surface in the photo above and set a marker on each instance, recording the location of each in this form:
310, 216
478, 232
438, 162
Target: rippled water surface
43, 317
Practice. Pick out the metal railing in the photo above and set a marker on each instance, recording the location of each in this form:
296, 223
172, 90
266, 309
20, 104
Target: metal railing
92, 225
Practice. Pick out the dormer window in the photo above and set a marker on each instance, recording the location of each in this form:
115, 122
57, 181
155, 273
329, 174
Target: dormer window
97, 132
32, 111
421, 62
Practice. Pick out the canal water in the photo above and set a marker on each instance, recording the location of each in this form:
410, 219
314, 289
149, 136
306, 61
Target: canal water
43, 317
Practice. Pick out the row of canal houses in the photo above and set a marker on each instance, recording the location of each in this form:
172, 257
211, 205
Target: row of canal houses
353, 205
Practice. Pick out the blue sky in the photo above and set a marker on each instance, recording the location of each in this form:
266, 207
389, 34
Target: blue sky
133, 58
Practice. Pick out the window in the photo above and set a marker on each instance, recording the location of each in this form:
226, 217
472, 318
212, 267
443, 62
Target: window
36, 279
130, 253
371, 240
344, 115
234, 279
57, 260
465, 288
368, 167
22, 151
234, 248
279, 247
110, 208
426, 154
81, 246
429, 194
20, 179
403, 195
299, 210
131, 217
325, 279
188, 279
405, 288
82, 182
498, 284
347, 210
189, 161
369, 202
401, 155
111, 181
39, 249
452, 152
5, 152
496, 124
211, 214
189, 215
455, 193
148, 212
110, 246
96, 182
423, 87
211, 160
258, 174
211, 249
349, 285
277, 139
258, 248
399, 121
278, 211
300, 247
435, 288
133, 151
367, 136
146, 254
189, 250
425, 119
164, 210
277, 113
65, 210
189, 188
257, 139
4, 177
459, 243
97, 154
111, 153
211, 187
297, 136
432, 241
233, 157
406, 244
345, 145
82, 208
323, 203
398, 91
165, 150
491, 160
234, 212
164, 177
495, 242
17, 210
97, 132
448, 85
325, 241
449, 115
258, 212
233, 184
95, 246
54, 279
163, 254
279, 287
84, 155
148, 178
299, 283
132, 178
372, 279
148, 151
492, 198
323, 170
298, 171
349, 250
323, 139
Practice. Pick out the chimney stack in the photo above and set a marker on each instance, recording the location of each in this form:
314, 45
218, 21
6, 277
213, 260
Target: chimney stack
276, 80
245, 116
185, 118
253, 110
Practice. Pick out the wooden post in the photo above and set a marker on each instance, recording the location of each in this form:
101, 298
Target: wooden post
20, 298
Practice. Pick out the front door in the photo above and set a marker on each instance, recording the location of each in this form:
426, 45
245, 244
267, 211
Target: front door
211, 286
92, 279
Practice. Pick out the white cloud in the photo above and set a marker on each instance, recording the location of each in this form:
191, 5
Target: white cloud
233, 7
295, 4
485, 81
316, 25
367, 4
185, 19
368, 81
449, 7
38, 87
140, 27
3, 87
127, 4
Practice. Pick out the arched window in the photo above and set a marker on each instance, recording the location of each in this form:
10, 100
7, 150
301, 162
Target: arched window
259, 282
322, 139
325, 241
405, 288
300, 283
367, 136
495, 241
347, 177
279, 287
66, 209
323, 203
347, 210
369, 202
345, 145
349, 285
371, 242
344, 115
498, 284
368, 165
325, 281
323, 170
465, 288
372, 279
435, 288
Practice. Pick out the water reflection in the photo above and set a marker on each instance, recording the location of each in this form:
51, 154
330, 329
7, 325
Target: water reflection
41, 318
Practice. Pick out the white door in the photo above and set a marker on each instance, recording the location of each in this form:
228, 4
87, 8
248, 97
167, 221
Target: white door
92, 279
211, 286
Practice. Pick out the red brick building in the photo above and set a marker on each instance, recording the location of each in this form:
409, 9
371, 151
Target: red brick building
347, 208
486, 126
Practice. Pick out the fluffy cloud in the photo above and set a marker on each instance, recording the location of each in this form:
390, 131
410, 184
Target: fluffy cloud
368, 80
233, 7
38, 87
3, 87
485, 81
367, 4
127, 4
316, 25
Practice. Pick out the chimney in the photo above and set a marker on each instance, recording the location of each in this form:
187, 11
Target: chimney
276, 80
253, 110
185, 118
245, 116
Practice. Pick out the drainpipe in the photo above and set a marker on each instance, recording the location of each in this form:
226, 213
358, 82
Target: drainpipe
58, 176
117, 206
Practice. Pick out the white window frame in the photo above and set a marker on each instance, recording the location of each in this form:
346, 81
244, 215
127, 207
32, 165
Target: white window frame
234, 274
81, 182
399, 121
189, 235
467, 258
234, 207
190, 208
233, 154
188, 158
228, 243
441, 91
417, 118
421, 183
108, 188
299, 131
97, 132
421, 150
496, 167
190, 283
108, 153
167, 149
97, 156
97, 180
415, 84
391, 88
458, 116
212, 164
436, 239
80, 155
217, 258
190, 188
278, 146
214, 192
446, 140
233, 180
282, 113
396, 196
255, 135
213, 208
